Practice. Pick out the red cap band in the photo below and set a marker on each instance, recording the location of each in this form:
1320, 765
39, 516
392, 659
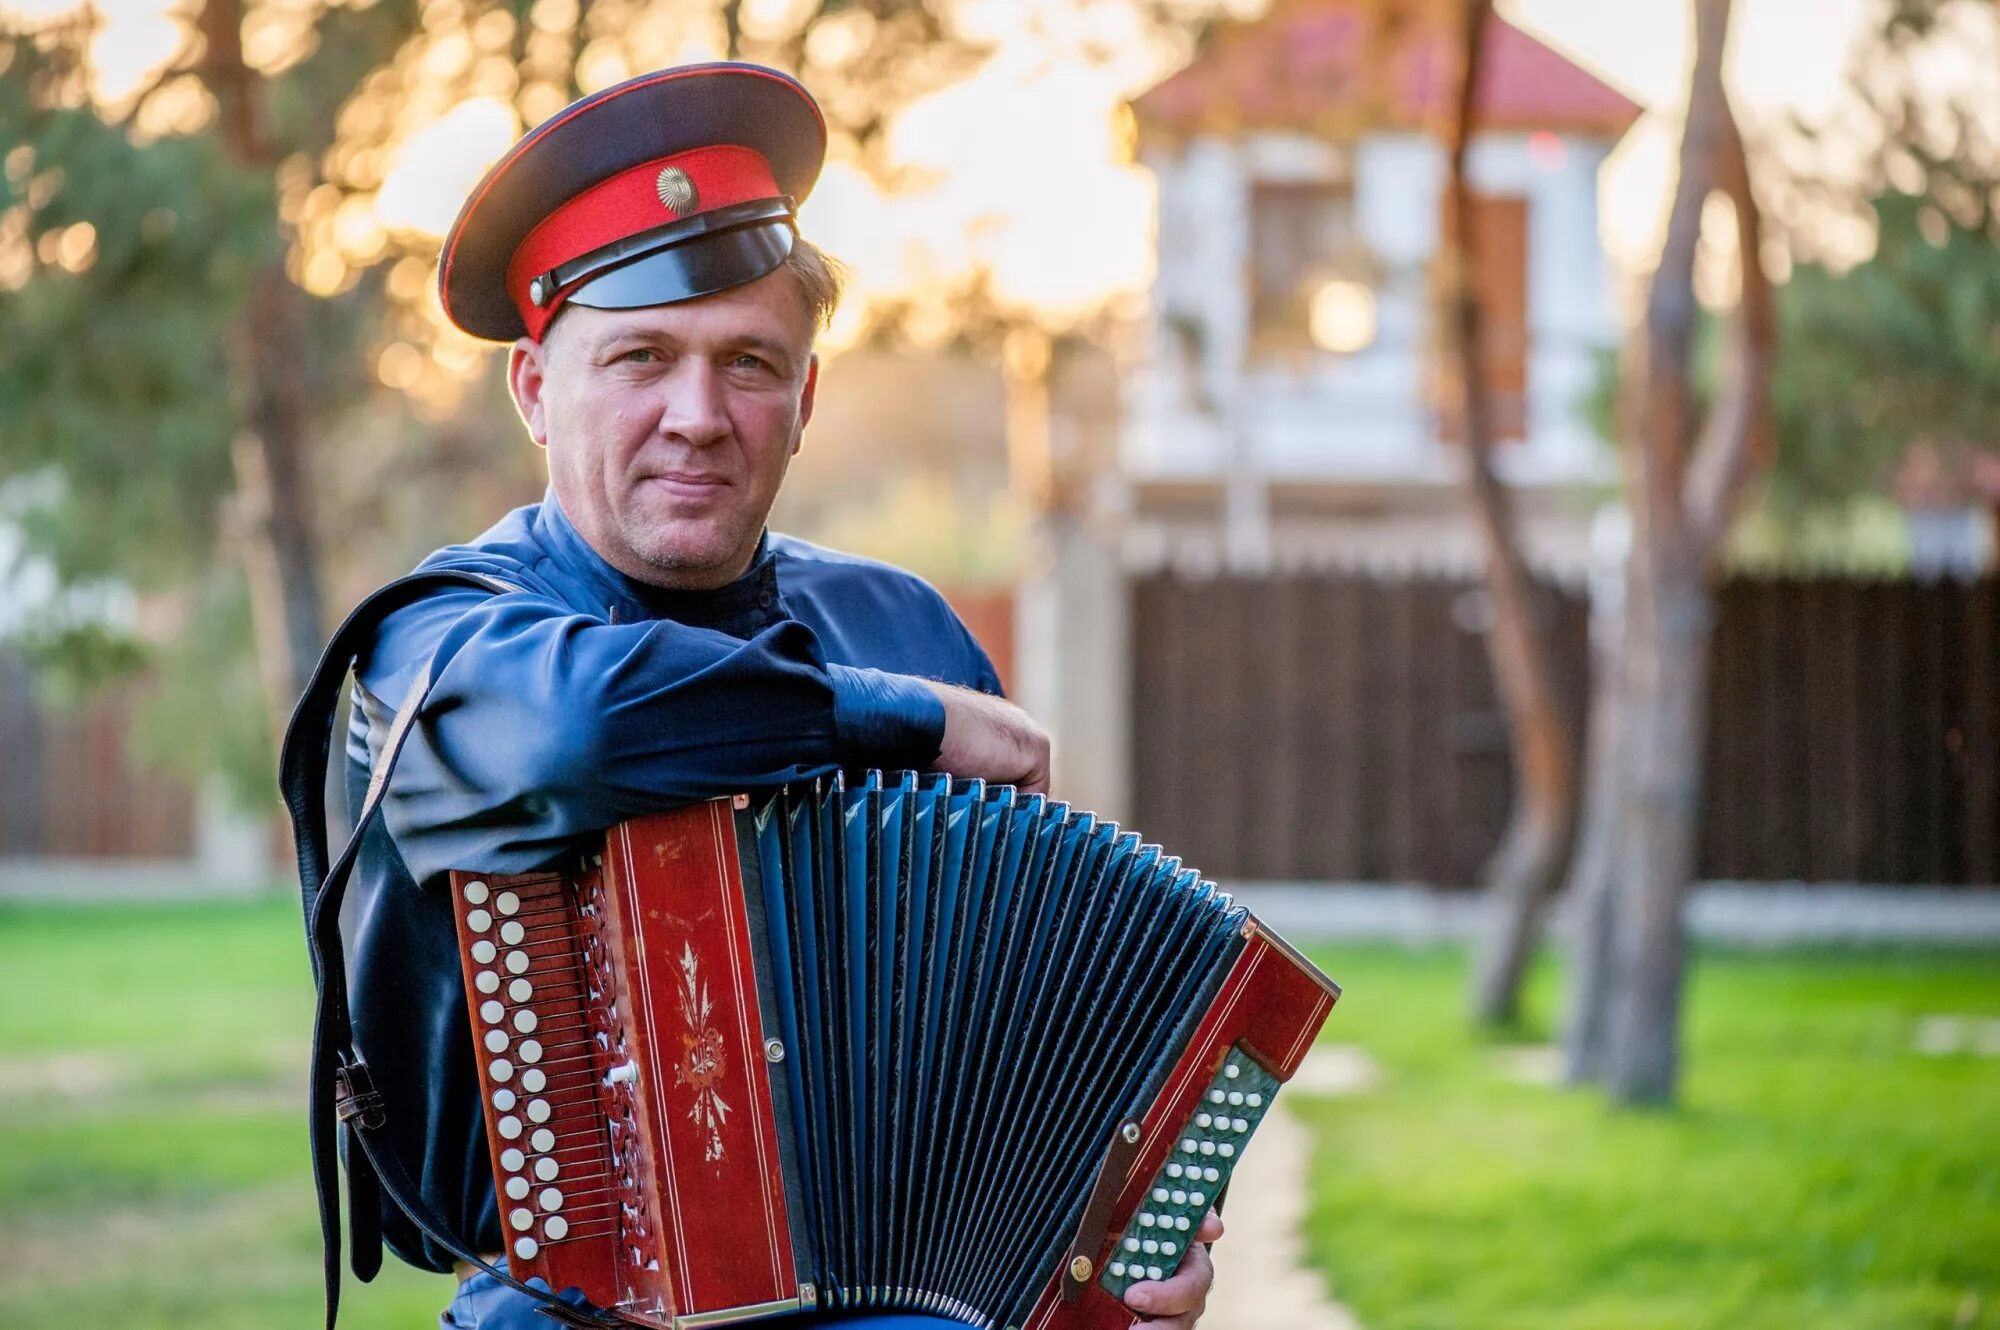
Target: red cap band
635, 200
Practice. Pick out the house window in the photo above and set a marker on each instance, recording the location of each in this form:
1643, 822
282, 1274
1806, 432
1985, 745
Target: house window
1300, 232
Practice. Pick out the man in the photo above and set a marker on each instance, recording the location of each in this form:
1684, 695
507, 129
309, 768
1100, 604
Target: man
657, 644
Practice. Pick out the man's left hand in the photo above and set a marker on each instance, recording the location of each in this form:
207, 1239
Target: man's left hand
1177, 1303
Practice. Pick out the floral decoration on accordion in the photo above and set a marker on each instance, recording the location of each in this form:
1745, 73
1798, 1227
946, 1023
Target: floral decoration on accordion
702, 1056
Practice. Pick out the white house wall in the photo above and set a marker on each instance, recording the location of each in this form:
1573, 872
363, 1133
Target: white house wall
1360, 418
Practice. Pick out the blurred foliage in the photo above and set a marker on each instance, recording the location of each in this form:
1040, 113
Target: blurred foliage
129, 238
124, 257
1901, 349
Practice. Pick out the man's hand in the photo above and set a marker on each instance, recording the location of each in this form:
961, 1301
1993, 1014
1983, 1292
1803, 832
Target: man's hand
1177, 1303
989, 738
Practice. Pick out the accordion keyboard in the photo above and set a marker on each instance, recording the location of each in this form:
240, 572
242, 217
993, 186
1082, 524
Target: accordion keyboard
1204, 1154
542, 1055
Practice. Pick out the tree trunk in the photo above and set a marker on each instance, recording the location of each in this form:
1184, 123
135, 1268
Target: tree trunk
1594, 886
274, 492
272, 453
1666, 677
1683, 493
1530, 860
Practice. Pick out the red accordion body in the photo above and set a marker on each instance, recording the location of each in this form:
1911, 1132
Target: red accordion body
655, 1091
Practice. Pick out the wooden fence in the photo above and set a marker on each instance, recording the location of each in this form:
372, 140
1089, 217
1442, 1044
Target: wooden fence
69, 788
1344, 726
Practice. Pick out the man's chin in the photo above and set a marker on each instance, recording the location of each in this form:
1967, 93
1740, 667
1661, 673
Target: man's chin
710, 560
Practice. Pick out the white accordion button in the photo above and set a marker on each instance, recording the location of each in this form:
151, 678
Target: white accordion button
1160, 1194
556, 1229
1232, 1071
1147, 1221
492, 1012
1173, 1170
1131, 1244
1154, 1272
511, 1159
1150, 1247
1255, 1100
511, 933
496, 1041
1116, 1268
522, 1218
484, 951
534, 1079
547, 1169
1168, 1249
500, 1069
1202, 1119
507, 903
517, 962
1180, 1197
525, 1021
1181, 1223
531, 1050
520, 990
538, 1110
475, 893
478, 920
525, 1248
1226, 1150
1197, 1198
543, 1140
503, 1100
1236, 1098
1211, 1175
517, 1189
1208, 1147
1216, 1096
550, 1199
486, 981
509, 1127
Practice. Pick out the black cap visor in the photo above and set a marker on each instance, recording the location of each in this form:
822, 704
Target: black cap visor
700, 265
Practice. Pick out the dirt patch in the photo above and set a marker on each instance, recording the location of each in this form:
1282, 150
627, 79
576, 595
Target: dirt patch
1336, 1069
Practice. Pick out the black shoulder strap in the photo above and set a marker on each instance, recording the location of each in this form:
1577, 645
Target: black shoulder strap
340, 1090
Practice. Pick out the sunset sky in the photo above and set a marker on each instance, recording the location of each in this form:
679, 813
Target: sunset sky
1038, 111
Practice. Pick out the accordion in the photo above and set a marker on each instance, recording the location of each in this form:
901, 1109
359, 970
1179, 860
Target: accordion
897, 1042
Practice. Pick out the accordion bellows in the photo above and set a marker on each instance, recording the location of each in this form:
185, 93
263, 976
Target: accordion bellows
895, 1042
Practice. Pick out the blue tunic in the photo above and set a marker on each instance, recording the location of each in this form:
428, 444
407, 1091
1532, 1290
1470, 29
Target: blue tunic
580, 700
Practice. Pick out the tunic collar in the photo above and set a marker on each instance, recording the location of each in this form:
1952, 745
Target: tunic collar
749, 604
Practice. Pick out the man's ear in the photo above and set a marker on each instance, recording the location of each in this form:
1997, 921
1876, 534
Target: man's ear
806, 400
526, 363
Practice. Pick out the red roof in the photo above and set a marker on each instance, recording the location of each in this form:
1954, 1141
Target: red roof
1335, 66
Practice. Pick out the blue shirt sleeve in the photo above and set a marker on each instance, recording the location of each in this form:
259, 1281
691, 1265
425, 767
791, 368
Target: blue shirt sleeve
543, 724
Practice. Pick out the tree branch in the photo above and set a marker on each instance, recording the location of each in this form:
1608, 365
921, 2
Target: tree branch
1737, 441
1656, 452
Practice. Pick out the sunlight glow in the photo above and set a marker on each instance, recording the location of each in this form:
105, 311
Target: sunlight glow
1342, 317
436, 167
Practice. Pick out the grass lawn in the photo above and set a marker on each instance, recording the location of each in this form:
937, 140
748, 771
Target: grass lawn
1819, 1174
153, 1168
153, 1165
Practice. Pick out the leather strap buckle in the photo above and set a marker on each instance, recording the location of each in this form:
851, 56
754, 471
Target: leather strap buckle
355, 1098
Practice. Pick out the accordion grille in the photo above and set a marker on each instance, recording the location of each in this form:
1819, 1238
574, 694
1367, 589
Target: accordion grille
984, 984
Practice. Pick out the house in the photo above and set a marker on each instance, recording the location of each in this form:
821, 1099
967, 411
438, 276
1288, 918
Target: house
1281, 408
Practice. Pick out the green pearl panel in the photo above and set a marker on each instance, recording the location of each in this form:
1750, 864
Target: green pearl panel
1197, 1169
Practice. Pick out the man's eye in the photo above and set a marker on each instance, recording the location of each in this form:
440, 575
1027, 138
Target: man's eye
640, 355
748, 361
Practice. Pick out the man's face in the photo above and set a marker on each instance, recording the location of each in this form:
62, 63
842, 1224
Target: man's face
669, 428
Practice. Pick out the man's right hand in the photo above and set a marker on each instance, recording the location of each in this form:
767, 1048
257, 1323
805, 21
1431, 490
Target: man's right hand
991, 739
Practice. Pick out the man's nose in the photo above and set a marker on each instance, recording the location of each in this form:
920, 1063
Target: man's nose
695, 409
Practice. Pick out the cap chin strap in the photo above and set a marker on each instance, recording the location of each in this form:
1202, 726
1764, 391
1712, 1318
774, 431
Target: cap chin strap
546, 288
340, 1090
